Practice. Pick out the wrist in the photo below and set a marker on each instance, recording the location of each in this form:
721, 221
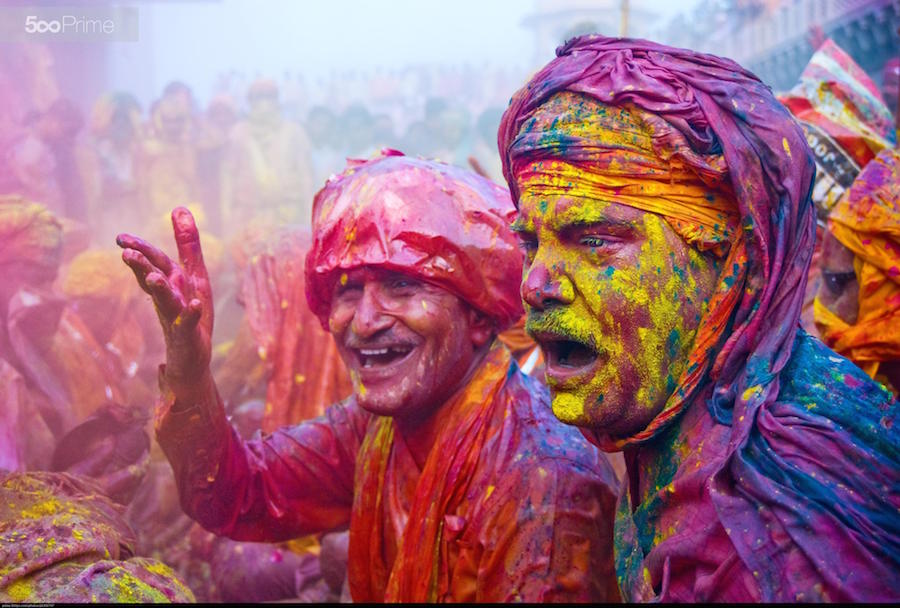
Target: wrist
188, 390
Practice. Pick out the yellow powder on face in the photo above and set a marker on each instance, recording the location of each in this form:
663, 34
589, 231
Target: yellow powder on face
647, 286
639, 311
666, 317
568, 407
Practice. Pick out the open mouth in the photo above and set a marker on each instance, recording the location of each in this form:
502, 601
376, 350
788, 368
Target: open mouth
565, 356
568, 353
370, 358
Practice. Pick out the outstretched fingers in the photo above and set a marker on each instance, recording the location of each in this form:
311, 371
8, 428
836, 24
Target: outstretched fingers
154, 254
139, 265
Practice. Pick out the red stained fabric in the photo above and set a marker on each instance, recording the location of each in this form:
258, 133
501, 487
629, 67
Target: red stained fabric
527, 517
305, 372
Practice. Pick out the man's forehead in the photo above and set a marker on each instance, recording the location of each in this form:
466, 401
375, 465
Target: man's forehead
834, 251
379, 274
560, 212
376, 273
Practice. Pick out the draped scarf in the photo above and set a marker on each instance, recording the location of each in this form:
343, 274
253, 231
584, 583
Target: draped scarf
420, 572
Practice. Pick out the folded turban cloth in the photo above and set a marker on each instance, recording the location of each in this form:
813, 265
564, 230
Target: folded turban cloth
30, 240
443, 224
634, 158
793, 494
703, 143
866, 220
844, 117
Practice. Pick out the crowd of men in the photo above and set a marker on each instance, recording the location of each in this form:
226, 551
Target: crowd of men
653, 355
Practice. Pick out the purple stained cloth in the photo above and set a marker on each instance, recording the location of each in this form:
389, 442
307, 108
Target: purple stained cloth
62, 540
779, 480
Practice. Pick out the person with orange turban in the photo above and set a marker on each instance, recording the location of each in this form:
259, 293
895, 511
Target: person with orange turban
846, 123
858, 305
455, 481
664, 208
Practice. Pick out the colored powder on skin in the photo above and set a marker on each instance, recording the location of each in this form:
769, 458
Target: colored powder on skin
665, 315
569, 407
646, 287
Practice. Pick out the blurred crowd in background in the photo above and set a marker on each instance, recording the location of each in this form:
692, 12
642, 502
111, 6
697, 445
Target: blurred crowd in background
260, 143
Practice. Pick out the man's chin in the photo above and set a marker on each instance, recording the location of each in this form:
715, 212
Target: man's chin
376, 404
384, 403
569, 409
598, 425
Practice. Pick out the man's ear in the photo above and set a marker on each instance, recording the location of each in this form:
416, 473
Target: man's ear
481, 328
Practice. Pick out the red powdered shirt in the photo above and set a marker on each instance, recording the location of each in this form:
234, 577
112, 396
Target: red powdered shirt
510, 505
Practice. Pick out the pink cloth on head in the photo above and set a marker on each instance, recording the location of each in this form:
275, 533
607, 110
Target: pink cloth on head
435, 221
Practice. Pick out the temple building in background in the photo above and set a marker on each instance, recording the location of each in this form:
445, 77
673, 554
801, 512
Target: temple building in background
770, 37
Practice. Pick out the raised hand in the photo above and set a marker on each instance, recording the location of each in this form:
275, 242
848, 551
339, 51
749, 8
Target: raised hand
183, 300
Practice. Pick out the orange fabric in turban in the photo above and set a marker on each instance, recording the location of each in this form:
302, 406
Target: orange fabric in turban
867, 221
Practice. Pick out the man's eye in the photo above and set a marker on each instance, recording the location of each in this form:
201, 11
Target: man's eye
837, 281
348, 289
593, 241
403, 283
527, 245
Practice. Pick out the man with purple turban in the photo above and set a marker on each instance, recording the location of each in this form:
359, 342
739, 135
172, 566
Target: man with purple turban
454, 479
664, 207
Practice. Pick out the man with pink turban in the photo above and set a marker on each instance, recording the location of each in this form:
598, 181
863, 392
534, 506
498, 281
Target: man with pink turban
455, 481
664, 207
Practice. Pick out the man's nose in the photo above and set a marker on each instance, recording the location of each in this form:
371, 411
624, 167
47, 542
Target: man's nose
546, 285
369, 317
